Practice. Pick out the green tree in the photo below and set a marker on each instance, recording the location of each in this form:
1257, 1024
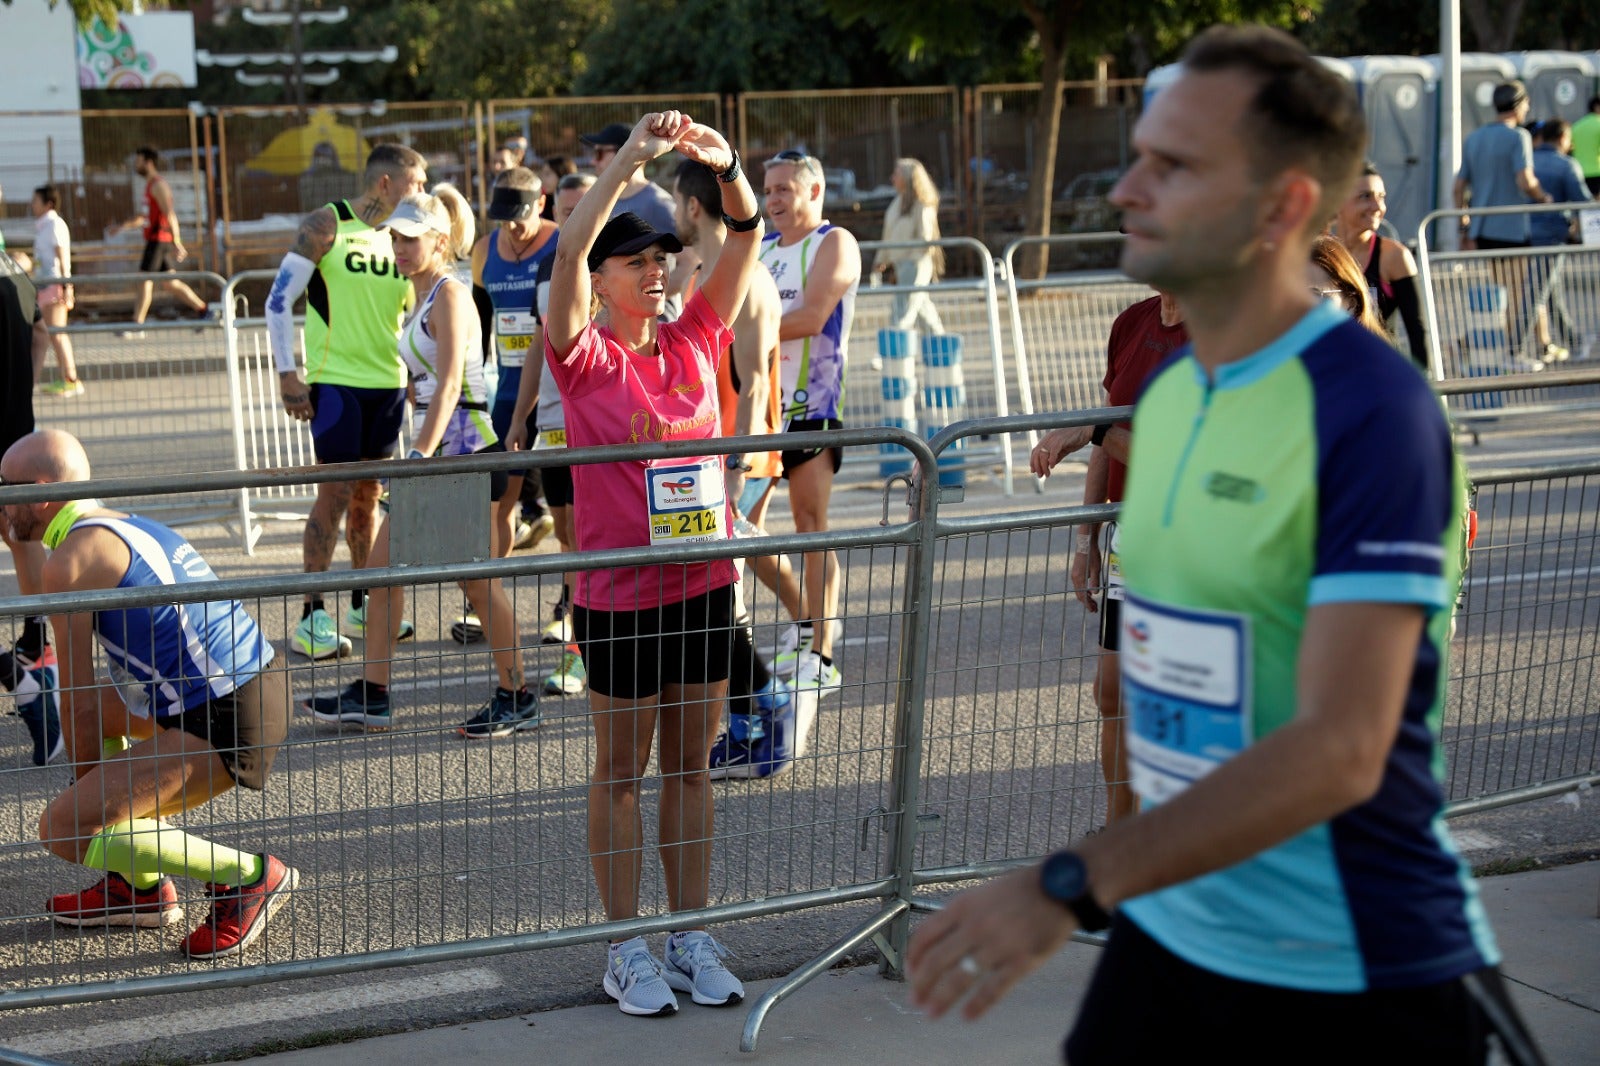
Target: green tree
89, 10
1061, 30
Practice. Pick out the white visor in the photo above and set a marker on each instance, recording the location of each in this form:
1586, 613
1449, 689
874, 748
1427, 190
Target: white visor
412, 220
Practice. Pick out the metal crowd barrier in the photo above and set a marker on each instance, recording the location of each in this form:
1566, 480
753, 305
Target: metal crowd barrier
982, 369
1483, 310
155, 395
1060, 324
964, 740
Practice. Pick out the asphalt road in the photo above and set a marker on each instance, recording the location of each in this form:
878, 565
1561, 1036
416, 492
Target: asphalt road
418, 837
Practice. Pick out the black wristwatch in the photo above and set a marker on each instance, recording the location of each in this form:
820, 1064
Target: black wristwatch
1065, 879
731, 175
741, 225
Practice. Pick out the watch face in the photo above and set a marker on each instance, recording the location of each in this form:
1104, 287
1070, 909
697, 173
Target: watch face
1064, 877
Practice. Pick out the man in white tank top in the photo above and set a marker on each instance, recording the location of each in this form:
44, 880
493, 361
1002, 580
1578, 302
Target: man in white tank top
817, 267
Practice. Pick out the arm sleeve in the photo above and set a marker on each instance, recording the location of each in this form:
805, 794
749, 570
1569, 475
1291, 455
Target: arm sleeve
485, 306
1410, 307
290, 284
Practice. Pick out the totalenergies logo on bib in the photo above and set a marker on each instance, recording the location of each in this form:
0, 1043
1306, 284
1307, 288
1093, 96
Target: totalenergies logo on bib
685, 486
1138, 634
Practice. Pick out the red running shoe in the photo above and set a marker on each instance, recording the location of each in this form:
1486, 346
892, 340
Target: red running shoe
115, 902
238, 915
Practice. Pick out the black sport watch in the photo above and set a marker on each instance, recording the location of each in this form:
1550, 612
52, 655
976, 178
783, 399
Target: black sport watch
732, 173
1065, 879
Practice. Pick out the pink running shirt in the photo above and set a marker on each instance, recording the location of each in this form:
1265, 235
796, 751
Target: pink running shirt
613, 396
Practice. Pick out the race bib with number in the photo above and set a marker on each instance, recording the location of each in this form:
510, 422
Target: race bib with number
1186, 683
1113, 565
513, 332
553, 438
687, 503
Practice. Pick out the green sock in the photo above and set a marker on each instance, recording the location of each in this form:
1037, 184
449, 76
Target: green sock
111, 747
143, 849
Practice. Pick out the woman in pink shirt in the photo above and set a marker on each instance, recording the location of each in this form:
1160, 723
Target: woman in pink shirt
656, 638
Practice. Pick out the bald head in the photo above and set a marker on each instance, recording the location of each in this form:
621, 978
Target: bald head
49, 455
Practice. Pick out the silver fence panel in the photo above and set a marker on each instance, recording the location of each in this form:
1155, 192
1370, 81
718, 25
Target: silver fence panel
1060, 324
968, 307
419, 846
1485, 309
155, 395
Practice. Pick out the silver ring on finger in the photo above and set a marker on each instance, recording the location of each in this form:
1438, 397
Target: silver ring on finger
969, 966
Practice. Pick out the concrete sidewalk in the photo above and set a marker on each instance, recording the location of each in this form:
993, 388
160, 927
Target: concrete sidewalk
1546, 920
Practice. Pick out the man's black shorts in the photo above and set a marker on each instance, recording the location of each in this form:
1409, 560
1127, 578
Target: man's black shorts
350, 424
245, 726
557, 486
633, 654
160, 257
1203, 1013
1110, 623
794, 459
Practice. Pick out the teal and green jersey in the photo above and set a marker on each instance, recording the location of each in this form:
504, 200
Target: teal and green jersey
354, 305
1318, 470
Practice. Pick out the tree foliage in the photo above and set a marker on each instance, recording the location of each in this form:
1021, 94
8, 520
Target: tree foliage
86, 11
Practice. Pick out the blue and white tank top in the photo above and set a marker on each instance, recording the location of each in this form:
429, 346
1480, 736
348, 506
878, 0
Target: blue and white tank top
510, 284
551, 419
812, 368
469, 429
171, 658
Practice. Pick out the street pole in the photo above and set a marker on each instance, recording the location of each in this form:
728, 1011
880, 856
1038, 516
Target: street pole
1449, 116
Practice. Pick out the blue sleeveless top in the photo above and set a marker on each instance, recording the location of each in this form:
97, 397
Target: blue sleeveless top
180, 655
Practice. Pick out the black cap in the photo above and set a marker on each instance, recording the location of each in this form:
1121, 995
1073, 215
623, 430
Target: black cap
613, 136
1508, 95
512, 205
626, 234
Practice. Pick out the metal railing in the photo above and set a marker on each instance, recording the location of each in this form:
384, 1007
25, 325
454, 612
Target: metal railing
964, 741
1485, 309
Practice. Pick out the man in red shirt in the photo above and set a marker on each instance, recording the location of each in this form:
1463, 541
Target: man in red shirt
163, 246
1142, 338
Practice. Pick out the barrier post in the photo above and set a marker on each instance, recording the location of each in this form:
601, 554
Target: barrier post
898, 385
944, 401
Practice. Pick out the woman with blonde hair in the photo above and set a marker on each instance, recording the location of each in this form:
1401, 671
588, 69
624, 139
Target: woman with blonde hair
442, 346
1332, 274
913, 215
655, 639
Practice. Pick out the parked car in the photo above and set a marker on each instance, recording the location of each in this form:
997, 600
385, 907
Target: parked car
1082, 204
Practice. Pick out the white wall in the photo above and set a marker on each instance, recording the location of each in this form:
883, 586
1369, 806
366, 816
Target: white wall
38, 72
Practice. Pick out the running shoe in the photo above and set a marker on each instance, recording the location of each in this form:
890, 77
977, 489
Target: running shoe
559, 629
1553, 353
788, 641
63, 389
466, 629
504, 714
318, 637
813, 673
637, 980
694, 965
32, 684
530, 534
356, 618
570, 676
239, 914
760, 744
113, 901
785, 663
351, 705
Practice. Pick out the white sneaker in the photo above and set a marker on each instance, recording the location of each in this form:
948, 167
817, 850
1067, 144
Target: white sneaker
813, 673
694, 965
637, 981
788, 641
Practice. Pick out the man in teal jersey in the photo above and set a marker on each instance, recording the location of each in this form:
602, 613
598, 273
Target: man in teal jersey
356, 399
1288, 891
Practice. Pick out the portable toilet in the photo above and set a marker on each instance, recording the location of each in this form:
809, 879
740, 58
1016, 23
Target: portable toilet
1559, 83
1159, 79
1397, 96
1480, 73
